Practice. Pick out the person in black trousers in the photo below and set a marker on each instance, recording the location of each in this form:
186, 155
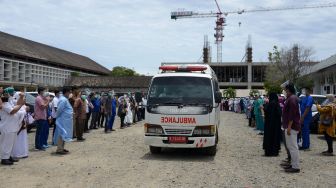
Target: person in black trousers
122, 112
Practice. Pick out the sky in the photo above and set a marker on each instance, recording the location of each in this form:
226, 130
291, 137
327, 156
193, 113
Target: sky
139, 34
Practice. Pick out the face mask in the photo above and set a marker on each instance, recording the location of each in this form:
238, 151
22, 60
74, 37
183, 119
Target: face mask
304, 92
83, 97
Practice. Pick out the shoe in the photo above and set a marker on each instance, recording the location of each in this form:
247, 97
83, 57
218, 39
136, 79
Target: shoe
14, 160
326, 153
292, 170
61, 152
66, 151
122, 127
80, 139
39, 149
287, 167
304, 149
113, 130
286, 160
86, 131
6, 162
285, 164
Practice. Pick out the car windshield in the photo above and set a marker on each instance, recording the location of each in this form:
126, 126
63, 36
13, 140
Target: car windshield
30, 99
180, 90
319, 100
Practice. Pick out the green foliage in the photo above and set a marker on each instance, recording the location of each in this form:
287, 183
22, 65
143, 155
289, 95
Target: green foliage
273, 79
254, 92
288, 64
229, 93
74, 74
123, 71
305, 82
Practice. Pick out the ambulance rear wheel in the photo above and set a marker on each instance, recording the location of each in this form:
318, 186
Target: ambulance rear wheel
155, 150
211, 151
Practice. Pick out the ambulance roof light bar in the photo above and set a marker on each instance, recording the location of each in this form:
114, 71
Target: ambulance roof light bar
181, 68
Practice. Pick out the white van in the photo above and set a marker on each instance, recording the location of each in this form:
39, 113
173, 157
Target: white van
183, 108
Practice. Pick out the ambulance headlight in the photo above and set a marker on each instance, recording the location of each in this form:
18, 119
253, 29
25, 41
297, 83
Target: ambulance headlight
204, 130
153, 129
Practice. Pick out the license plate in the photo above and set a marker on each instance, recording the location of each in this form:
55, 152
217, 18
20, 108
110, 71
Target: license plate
177, 139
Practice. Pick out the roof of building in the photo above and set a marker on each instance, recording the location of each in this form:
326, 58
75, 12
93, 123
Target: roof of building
110, 81
26, 48
324, 64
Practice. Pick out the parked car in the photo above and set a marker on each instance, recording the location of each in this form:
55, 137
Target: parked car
30, 101
35, 94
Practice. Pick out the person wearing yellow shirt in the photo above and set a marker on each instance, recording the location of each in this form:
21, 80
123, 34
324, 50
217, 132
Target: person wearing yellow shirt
328, 122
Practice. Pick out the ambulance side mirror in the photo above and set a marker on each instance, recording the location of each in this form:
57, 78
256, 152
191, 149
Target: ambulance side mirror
218, 97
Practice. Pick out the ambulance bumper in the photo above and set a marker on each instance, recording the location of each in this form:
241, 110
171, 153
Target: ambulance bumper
192, 142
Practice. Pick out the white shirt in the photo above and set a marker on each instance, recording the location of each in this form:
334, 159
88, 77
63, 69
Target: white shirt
144, 101
87, 106
54, 103
11, 123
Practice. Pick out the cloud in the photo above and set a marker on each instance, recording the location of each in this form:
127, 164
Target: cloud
140, 33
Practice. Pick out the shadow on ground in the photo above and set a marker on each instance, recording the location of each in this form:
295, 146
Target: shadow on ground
169, 154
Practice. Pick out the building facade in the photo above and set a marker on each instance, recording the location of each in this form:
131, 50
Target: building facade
237, 75
118, 85
240, 75
324, 76
25, 64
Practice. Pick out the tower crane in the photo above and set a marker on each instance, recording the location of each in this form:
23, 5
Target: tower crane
221, 19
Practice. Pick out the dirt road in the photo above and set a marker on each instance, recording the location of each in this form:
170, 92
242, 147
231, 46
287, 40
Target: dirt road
120, 159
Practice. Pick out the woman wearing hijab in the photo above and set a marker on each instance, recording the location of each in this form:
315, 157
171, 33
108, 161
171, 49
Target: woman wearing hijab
272, 134
328, 122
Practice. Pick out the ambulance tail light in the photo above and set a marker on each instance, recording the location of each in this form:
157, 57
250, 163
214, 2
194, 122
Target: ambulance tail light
205, 130
177, 68
153, 129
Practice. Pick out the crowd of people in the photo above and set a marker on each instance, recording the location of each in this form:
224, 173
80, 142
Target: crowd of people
286, 117
70, 112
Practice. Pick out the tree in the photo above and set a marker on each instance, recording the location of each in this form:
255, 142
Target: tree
123, 71
287, 64
254, 92
229, 93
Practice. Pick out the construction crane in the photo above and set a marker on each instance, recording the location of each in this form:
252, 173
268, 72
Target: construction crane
221, 20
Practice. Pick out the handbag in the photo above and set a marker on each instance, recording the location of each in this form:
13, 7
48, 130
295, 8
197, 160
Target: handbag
328, 121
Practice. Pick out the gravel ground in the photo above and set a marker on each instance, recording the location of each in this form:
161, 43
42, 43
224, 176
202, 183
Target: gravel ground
120, 159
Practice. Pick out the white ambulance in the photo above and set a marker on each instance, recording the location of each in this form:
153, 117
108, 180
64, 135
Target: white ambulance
183, 108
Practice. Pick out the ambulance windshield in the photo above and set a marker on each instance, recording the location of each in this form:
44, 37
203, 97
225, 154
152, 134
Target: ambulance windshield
180, 90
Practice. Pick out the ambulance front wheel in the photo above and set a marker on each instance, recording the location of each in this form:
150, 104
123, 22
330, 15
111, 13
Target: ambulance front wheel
211, 151
155, 150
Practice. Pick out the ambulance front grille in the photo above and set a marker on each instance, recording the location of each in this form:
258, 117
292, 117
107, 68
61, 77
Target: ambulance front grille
178, 131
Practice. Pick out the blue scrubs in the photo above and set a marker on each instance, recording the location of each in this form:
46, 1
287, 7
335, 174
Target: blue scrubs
306, 102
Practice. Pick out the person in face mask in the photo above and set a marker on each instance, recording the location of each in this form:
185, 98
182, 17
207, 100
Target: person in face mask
40, 115
10, 124
107, 105
291, 125
95, 112
306, 104
10, 93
